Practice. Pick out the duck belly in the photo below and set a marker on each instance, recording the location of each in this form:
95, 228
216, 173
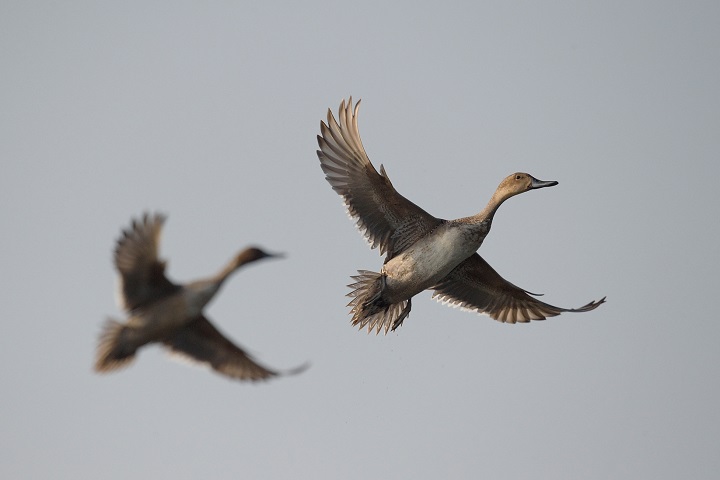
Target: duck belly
161, 319
427, 261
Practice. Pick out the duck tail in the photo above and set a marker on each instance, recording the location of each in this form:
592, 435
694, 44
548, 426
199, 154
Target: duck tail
116, 348
370, 309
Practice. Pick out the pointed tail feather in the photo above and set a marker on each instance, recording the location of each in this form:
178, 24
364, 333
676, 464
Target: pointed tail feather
115, 349
370, 309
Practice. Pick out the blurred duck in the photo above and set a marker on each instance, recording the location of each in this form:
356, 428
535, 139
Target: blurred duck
164, 312
422, 251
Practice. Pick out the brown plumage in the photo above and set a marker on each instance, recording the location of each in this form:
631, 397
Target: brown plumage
161, 311
422, 251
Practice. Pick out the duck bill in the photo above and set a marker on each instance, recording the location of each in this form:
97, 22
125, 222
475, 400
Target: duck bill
541, 183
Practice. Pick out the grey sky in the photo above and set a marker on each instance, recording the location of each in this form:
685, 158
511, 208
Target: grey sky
209, 112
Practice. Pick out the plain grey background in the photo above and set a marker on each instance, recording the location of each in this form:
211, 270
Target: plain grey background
208, 112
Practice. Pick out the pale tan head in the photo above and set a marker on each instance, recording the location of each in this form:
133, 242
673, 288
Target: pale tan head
520, 182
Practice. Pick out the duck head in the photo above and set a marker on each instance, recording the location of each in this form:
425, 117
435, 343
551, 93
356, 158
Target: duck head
252, 254
519, 183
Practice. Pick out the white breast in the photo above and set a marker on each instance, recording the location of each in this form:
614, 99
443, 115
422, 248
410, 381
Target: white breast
431, 258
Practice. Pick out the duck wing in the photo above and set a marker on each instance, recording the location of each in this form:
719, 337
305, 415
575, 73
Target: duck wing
201, 342
142, 273
476, 286
387, 219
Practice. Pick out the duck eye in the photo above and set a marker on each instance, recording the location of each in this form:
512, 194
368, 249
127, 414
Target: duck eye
517, 177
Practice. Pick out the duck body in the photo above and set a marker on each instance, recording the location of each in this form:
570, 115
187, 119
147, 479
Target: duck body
161, 311
422, 252
431, 258
166, 316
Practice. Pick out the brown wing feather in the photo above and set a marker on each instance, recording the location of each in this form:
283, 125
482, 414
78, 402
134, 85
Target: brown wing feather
202, 342
475, 285
142, 273
387, 219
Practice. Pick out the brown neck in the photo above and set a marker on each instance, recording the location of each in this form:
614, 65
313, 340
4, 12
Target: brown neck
487, 213
226, 271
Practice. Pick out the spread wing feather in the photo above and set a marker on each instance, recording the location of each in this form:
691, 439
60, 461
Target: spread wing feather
200, 341
388, 220
142, 273
476, 286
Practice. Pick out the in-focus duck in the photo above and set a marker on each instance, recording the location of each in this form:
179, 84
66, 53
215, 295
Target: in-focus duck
161, 311
422, 252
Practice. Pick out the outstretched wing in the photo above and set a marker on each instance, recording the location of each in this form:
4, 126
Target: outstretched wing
200, 341
474, 285
142, 273
387, 219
